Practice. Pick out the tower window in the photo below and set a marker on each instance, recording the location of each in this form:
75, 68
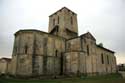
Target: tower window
53, 22
71, 20
26, 49
88, 50
102, 58
58, 19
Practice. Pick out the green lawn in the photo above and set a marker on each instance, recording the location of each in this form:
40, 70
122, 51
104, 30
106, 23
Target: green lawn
96, 79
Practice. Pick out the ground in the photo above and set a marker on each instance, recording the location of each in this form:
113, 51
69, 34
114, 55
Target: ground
113, 78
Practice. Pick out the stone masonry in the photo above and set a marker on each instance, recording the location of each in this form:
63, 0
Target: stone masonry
60, 51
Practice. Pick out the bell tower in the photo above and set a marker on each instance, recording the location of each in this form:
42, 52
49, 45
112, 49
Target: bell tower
63, 23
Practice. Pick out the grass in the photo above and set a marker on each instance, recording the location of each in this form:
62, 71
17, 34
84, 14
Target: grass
112, 78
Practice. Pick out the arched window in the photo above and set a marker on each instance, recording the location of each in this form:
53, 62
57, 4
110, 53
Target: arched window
61, 64
57, 28
107, 59
56, 53
26, 49
102, 58
88, 50
53, 22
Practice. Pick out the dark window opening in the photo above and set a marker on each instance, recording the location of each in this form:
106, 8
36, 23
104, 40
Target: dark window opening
53, 22
88, 50
26, 49
56, 53
58, 19
57, 29
102, 58
61, 69
71, 20
107, 59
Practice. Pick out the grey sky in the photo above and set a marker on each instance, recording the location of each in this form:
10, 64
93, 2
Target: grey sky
103, 18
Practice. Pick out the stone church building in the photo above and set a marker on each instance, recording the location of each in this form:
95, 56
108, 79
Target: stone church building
60, 51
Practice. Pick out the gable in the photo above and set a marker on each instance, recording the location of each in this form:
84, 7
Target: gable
89, 36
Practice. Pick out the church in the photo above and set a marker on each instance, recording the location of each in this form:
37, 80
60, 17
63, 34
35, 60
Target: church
60, 51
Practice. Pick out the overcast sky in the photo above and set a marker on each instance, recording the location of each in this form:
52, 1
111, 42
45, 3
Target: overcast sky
103, 18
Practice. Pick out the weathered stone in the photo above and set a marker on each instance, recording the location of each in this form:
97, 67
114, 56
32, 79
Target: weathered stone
61, 51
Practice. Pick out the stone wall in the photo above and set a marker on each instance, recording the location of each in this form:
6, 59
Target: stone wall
92, 55
50, 48
73, 45
75, 63
75, 57
89, 47
23, 53
5, 65
37, 53
109, 61
61, 51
